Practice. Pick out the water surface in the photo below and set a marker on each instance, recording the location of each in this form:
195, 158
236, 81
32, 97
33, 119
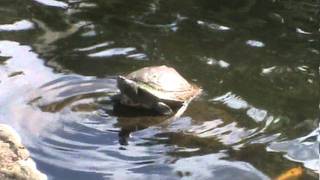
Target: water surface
257, 62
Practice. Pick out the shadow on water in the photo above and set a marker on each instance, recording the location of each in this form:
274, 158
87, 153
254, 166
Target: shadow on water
257, 61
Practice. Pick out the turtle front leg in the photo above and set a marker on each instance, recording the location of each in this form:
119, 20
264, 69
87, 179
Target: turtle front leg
163, 108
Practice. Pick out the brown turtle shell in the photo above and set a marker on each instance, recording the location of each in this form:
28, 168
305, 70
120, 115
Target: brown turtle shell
164, 83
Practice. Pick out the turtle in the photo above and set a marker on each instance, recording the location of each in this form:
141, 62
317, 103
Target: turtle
159, 88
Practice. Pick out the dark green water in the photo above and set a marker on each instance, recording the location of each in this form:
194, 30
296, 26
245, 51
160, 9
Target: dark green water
257, 62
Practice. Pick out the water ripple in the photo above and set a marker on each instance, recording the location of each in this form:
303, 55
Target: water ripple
17, 26
255, 43
53, 3
93, 47
304, 149
260, 73
113, 52
213, 26
231, 100
213, 165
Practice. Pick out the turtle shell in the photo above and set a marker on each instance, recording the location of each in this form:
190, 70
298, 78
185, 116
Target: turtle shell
164, 82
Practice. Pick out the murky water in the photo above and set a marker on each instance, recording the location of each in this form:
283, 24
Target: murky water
257, 61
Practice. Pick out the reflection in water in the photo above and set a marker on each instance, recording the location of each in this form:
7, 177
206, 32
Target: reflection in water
92, 135
17, 26
213, 26
93, 47
228, 134
73, 91
256, 60
208, 166
232, 101
53, 3
50, 36
304, 149
254, 43
214, 62
113, 52
16, 91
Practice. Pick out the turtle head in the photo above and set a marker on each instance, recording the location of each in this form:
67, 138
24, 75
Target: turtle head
136, 94
125, 84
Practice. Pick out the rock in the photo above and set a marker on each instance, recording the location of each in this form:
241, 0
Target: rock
15, 160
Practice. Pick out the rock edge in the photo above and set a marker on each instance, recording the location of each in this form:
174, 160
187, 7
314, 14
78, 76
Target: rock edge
15, 160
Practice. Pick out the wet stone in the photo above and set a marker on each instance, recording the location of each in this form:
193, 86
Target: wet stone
15, 160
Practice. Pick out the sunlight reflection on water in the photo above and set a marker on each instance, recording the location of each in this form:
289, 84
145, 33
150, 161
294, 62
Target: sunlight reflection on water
304, 149
53, 3
17, 26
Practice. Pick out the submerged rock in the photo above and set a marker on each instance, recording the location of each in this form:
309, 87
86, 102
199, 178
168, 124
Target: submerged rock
15, 160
